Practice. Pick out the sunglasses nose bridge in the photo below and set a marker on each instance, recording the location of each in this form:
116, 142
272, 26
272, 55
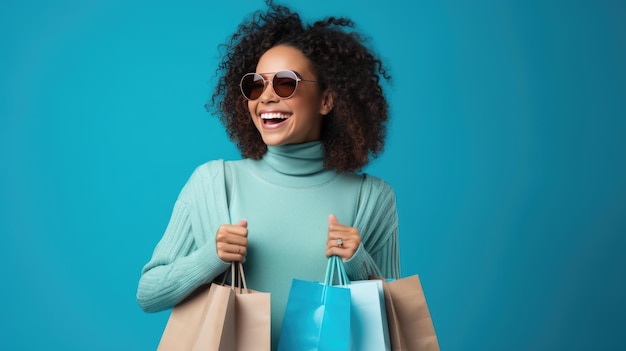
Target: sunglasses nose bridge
266, 83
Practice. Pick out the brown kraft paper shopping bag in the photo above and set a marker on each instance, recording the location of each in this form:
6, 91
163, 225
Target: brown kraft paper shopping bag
201, 319
410, 324
253, 321
220, 318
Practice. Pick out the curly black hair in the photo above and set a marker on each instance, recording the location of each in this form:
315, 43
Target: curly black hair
355, 129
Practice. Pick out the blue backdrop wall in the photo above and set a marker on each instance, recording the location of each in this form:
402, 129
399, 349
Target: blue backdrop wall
505, 150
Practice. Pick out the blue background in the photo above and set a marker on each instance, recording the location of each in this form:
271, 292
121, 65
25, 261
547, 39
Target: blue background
506, 153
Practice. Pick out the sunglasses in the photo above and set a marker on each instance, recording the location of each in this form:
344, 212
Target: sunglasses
284, 84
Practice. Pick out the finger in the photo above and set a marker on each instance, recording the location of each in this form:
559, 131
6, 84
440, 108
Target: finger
342, 238
238, 249
231, 239
332, 219
343, 232
331, 251
341, 252
339, 228
336, 230
228, 229
237, 240
243, 223
229, 253
238, 230
232, 244
346, 250
229, 257
336, 242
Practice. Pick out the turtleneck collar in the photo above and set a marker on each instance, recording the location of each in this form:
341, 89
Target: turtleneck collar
295, 165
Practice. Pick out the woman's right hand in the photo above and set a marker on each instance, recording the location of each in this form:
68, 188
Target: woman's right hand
231, 241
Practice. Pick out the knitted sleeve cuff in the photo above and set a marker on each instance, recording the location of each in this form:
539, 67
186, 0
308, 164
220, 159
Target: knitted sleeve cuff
361, 265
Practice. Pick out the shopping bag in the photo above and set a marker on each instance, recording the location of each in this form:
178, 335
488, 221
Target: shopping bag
317, 315
368, 318
252, 317
369, 326
410, 324
203, 317
219, 317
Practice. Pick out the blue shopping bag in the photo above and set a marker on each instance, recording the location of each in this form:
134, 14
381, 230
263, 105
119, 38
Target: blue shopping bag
317, 315
369, 328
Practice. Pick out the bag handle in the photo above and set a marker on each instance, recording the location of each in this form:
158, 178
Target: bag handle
238, 278
342, 271
335, 263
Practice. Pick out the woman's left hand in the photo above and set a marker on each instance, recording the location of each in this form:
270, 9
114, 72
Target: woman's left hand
343, 240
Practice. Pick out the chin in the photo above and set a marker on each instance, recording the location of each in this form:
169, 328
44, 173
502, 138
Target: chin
274, 142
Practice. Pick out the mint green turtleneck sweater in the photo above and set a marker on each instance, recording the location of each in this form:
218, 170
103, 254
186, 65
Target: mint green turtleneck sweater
286, 198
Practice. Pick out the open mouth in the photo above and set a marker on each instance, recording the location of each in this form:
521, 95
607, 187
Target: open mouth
274, 118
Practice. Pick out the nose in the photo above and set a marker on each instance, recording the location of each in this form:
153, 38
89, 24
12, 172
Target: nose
268, 94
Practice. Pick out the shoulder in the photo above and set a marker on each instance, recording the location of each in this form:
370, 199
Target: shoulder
371, 187
377, 207
214, 168
208, 168
376, 195
213, 173
203, 177
376, 185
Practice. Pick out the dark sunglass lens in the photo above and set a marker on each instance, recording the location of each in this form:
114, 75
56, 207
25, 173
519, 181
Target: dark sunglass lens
284, 83
252, 86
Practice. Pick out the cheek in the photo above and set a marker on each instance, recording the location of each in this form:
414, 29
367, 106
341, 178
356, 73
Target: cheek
250, 107
252, 114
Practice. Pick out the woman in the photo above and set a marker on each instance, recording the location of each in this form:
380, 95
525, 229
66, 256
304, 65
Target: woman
305, 107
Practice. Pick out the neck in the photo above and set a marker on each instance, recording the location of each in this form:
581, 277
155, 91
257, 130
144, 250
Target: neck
295, 164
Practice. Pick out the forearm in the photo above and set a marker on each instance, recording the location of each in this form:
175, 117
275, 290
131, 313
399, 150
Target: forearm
163, 286
177, 265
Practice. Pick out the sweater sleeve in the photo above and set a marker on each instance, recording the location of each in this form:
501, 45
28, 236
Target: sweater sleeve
177, 266
185, 257
377, 222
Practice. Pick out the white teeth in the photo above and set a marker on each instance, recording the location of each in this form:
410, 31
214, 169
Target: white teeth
273, 115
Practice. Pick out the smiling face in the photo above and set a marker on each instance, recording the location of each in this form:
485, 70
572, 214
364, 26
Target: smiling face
297, 119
